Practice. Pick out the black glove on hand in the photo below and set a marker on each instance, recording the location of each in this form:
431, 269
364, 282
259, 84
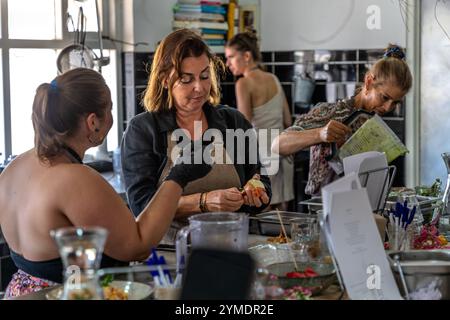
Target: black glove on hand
183, 173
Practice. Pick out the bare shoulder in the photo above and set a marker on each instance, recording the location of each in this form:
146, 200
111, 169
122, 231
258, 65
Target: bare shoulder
263, 79
75, 176
243, 83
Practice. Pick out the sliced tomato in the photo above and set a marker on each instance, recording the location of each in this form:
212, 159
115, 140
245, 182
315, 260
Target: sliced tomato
295, 274
310, 272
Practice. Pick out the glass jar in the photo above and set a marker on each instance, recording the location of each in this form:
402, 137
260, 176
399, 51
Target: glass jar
81, 251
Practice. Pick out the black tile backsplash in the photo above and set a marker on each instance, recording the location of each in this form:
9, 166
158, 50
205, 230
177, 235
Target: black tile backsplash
284, 73
228, 95
267, 56
227, 76
284, 56
287, 88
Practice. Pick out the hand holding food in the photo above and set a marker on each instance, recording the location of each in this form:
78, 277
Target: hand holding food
254, 192
224, 200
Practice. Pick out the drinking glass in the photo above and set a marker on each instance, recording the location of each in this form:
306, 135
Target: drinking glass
305, 238
81, 251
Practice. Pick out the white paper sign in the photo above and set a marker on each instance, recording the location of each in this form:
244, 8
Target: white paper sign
358, 248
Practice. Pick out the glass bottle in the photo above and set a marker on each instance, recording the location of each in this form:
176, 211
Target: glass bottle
81, 251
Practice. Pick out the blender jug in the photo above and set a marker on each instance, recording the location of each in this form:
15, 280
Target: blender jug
215, 230
81, 251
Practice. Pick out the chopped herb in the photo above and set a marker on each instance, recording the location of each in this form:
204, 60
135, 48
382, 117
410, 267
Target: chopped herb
107, 280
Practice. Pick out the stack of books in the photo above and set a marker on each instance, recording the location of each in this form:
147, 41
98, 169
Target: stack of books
208, 18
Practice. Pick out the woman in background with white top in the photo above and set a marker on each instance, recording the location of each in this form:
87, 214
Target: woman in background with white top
260, 98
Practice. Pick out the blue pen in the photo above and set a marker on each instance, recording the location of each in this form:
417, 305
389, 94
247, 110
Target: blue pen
398, 210
162, 261
411, 217
405, 215
153, 261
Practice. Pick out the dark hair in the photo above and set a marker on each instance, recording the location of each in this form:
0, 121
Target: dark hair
58, 107
393, 69
244, 42
169, 55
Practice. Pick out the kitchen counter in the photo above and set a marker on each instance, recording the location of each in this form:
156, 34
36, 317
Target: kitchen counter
331, 293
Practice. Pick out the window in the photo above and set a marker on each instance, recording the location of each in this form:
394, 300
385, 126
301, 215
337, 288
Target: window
37, 19
89, 11
23, 89
35, 34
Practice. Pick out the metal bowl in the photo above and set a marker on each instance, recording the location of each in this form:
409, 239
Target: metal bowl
326, 277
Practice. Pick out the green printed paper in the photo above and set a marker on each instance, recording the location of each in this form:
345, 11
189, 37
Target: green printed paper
374, 135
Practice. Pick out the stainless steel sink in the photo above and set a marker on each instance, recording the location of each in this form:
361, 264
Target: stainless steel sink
421, 268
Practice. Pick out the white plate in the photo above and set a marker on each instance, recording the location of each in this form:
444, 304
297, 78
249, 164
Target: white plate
135, 290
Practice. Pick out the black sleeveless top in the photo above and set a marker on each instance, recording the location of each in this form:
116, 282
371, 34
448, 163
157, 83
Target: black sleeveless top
53, 269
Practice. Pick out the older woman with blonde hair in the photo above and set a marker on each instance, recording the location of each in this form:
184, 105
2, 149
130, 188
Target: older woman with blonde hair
384, 87
183, 96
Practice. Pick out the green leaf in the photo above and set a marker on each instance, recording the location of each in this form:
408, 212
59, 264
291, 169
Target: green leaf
107, 280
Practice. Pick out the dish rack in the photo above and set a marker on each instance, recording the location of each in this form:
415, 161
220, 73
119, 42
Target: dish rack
315, 204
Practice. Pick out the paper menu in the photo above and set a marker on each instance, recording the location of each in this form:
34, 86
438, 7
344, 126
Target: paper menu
373, 135
347, 183
376, 181
357, 246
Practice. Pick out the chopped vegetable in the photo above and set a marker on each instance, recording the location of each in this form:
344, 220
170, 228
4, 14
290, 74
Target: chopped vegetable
297, 293
107, 280
307, 273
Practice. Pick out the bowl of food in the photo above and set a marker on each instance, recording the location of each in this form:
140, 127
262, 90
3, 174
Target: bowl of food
115, 290
316, 276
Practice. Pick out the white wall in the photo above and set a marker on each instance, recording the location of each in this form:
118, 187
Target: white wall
288, 24
152, 21
328, 24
